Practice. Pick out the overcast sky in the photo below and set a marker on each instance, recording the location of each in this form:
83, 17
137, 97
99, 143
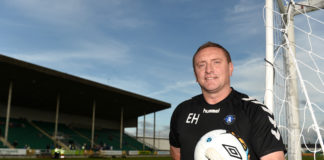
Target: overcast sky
141, 46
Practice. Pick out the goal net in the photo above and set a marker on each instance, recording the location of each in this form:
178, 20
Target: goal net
298, 74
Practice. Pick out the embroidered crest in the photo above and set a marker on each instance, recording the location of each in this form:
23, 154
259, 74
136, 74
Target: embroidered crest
229, 119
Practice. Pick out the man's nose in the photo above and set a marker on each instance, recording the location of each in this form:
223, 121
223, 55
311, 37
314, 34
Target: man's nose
209, 68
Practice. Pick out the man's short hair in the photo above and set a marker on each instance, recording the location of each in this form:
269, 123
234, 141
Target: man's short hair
211, 44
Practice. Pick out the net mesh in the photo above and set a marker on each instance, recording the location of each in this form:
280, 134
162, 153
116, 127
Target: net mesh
309, 69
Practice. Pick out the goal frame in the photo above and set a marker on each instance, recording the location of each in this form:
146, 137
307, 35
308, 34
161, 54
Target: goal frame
294, 151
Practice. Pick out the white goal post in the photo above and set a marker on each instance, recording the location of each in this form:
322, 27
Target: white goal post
286, 82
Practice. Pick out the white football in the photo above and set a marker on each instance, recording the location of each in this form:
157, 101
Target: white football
221, 145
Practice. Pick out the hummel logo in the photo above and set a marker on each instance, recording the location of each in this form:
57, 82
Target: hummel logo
276, 134
211, 110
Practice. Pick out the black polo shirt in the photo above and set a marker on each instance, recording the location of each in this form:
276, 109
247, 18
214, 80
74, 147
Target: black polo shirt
238, 113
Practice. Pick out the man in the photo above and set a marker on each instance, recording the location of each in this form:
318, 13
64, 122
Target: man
221, 107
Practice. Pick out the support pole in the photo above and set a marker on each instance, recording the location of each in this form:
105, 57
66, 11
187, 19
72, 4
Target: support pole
144, 133
154, 131
93, 122
294, 145
121, 127
58, 99
137, 130
8, 110
268, 97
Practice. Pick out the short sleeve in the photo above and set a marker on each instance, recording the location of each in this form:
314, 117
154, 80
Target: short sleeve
173, 135
265, 134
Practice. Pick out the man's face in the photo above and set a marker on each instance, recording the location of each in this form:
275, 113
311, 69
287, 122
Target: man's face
212, 70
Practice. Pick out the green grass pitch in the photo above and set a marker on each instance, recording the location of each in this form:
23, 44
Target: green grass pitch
138, 158
128, 158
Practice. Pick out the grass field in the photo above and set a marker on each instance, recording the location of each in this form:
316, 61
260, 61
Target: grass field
128, 158
140, 158
133, 158
312, 158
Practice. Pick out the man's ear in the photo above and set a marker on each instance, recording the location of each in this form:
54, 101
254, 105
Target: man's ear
195, 74
231, 68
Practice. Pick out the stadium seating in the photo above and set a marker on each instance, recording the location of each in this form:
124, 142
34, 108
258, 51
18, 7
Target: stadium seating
132, 143
72, 138
102, 138
2, 146
22, 134
2, 125
111, 138
65, 134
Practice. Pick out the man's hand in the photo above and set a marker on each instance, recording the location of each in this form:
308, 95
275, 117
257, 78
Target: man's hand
175, 153
279, 155
212, 154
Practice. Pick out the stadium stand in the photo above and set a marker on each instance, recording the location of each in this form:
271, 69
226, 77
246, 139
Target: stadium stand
2, 145
109, 139
40, 94
66, 135
23, 135
73, 139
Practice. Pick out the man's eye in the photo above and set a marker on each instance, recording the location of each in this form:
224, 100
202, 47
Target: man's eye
201, 65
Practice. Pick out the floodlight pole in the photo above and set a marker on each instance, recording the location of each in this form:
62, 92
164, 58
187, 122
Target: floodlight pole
8, 110
93, 122
269, 80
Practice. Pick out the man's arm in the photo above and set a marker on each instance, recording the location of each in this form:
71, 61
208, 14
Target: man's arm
175, 153
279, 155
